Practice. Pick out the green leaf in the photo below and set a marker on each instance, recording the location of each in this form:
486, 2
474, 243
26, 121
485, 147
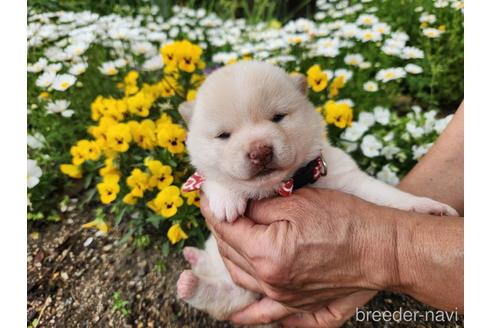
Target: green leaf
126, 237
88, 196
165, 248
118, 218
88, 180
172, 163
155, 220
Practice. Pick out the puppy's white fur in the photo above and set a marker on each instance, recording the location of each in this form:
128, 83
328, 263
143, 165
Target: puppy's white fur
241, 99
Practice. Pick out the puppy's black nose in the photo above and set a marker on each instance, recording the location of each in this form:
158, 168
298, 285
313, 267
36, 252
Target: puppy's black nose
260, 154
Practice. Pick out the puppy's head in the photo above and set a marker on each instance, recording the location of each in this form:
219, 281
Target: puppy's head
251, 122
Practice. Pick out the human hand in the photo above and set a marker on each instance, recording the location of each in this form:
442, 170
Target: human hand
306, 251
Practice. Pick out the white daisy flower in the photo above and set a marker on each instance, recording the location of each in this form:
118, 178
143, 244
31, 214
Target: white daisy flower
458, 5
108, 68
143, 48
37, 66
63, 81
390, 151
441, 124
371, 146
367, 119
353, 59
420, 151
390, 74
411, 53
347, 75
45, 79
369, 36
427, 18
414, 130
153, 63
54, 68
371, 86
431, 33
388, 176
78, 68
441, 3
354, 132
367, 20
60, 106
75, 50
35, 141
34, 172
121, 62
382, 115
382, 28
413, 69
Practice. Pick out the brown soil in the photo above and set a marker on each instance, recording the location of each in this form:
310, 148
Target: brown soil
71, 284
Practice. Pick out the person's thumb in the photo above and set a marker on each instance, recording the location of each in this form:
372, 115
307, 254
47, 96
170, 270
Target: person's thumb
264, 311
266, 211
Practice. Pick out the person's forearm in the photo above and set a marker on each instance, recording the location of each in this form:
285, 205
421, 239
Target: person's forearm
430, 259
439, 175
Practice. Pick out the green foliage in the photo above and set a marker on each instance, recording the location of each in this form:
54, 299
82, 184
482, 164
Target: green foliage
120, 304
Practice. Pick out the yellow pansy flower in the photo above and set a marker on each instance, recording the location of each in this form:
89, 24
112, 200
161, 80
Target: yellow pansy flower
175, 234
108, 189
161, 174
109, 168
119, 137
96, 108
191, 95
338, 114
168, 53
138, 182
167, 201
139, 104
100, 131
192, 198
172, 137
144, 134
99, 224
317, 79
168, 86
336, 85
188, 55
71, 170
129, 199
163, 120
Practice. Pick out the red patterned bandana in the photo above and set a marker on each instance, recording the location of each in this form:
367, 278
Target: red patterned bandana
305, 175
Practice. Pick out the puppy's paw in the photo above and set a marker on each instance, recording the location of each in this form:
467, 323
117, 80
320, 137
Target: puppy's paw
430, 206
192, 255
187, 285
227, 208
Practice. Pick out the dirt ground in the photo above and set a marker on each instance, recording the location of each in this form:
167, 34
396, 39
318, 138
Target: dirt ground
73, 274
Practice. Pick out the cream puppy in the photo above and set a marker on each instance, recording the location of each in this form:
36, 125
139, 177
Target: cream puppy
251, 129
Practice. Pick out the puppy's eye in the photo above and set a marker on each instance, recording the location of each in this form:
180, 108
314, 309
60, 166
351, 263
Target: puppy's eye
224, 135
278, 117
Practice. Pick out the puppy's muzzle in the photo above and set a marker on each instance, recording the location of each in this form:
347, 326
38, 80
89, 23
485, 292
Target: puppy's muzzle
260, 154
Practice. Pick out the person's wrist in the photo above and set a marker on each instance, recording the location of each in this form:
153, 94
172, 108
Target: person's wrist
378, 242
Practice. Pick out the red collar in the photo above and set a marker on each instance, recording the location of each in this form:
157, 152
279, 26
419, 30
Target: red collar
305, 175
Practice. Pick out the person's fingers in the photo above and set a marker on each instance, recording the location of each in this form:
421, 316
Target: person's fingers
227, 252
263, 311
243, 235
242, 278
334, 314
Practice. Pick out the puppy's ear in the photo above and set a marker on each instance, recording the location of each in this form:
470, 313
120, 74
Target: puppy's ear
186, 110
300, 82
